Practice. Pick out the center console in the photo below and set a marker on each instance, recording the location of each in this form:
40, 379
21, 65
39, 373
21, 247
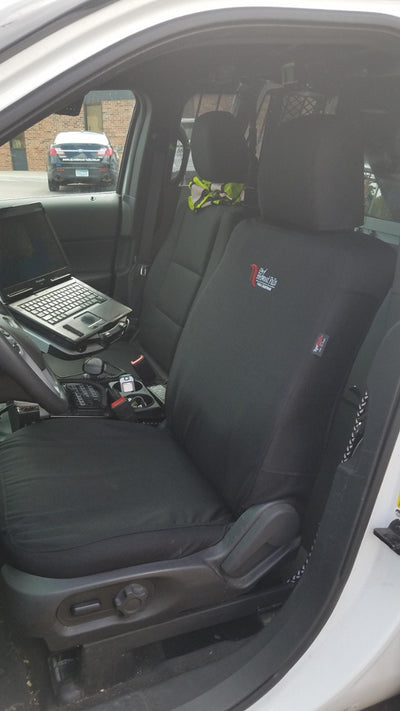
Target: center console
113, 399
94, 392
96, 395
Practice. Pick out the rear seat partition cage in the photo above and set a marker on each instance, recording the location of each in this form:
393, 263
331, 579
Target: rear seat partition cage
277, 105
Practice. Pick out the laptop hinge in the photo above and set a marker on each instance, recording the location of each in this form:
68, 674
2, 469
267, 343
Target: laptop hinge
19, 292
60, 278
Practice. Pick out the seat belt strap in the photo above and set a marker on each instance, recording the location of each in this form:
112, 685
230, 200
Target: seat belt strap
357, 432
145, 255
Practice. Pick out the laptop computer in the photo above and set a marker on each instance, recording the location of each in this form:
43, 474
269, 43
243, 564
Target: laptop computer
37, 285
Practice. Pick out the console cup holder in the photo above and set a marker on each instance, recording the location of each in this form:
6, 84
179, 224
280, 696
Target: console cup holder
140, 400
144, 404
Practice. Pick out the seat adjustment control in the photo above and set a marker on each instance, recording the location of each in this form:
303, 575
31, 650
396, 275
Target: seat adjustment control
85, 608
131, 599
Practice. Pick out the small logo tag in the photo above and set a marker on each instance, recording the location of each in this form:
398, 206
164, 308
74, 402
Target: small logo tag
259, 277
320, 344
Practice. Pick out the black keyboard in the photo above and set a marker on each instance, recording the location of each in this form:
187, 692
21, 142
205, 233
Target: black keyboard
56, 305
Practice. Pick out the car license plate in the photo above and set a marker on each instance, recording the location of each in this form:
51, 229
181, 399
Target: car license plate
81, 173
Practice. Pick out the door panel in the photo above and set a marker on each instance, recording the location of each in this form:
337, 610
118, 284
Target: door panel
87, 226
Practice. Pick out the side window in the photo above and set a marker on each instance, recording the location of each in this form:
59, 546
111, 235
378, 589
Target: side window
375, 204
261, 115
197, 105
77, 151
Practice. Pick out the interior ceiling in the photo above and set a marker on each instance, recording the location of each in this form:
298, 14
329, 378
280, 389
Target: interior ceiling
325, 59
220, 68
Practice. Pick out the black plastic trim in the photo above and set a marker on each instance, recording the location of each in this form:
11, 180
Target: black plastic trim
256, 543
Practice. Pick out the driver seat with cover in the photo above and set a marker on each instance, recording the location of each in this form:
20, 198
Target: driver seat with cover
109, 527
190, 251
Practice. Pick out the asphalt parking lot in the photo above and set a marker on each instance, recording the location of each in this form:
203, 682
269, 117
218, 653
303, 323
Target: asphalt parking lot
32, 184
23, 183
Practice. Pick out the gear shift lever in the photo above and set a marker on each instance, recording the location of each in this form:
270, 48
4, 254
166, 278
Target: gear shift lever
93, 367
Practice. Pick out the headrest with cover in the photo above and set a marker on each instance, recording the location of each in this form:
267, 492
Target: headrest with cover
311, 175
219, 150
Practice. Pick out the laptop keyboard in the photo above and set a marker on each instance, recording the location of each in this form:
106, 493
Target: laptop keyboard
53, 307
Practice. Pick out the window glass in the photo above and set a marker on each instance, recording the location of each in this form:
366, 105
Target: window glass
69, 153
375, 204
382, 192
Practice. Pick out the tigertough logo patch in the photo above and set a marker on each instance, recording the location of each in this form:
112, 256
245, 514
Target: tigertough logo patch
260, 277
320, 344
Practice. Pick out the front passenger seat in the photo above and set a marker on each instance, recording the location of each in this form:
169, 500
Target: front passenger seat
191, 514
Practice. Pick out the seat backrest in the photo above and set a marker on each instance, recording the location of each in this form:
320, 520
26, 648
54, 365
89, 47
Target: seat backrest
269, 342
220, 154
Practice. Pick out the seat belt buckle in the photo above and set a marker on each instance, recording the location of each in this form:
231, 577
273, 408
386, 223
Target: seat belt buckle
143, 369
122, 410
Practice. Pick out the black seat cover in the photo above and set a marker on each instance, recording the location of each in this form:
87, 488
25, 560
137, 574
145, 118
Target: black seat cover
195, 241
257, 371
89, 496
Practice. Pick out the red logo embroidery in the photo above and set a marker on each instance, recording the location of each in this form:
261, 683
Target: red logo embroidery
320, 344
259, 277
254, 272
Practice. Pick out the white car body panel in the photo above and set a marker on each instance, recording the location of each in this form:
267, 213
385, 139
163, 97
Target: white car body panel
354, 661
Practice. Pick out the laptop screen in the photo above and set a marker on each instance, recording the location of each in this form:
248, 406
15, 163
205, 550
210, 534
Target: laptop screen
29, 250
